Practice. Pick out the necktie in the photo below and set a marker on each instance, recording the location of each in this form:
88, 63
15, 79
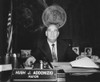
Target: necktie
54, 57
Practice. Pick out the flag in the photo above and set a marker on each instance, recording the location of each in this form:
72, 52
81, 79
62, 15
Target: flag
9, 30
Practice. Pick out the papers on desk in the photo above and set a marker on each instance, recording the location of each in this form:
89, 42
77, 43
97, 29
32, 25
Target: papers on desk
61, 65
5, 67
84, 63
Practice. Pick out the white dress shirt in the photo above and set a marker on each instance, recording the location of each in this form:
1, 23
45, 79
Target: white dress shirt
50, 45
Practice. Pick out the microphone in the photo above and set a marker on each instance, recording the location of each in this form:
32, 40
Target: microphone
47, 60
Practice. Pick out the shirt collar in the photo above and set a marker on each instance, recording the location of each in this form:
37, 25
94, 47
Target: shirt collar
51, 43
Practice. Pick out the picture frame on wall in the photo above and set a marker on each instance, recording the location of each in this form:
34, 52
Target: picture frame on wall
25, 53
88, 51
76, 50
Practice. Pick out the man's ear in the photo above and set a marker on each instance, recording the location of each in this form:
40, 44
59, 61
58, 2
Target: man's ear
46, 33
58, 33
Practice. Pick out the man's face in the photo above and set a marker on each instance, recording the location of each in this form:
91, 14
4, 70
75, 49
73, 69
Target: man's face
52, 33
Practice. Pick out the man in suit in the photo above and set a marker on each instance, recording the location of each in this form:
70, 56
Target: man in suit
52, 49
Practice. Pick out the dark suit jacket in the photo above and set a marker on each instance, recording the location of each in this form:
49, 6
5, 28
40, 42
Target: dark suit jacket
64, 51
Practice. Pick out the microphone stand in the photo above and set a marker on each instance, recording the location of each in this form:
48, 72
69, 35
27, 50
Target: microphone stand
47, 60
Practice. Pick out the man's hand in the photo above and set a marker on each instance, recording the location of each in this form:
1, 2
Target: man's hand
30, 61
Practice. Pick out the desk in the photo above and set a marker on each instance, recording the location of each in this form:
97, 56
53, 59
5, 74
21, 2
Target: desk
69, 69
79, 74
72, 73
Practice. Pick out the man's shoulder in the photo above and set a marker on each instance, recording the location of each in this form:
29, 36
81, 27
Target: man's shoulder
41, 42
62, 42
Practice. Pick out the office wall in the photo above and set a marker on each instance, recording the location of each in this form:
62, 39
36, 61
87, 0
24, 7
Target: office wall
82, 25
3, 25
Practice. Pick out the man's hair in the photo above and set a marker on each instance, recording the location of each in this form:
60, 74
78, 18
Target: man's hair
53, 25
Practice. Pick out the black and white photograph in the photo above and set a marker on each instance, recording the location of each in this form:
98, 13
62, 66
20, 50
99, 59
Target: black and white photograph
49, 41
88, 51
76, 50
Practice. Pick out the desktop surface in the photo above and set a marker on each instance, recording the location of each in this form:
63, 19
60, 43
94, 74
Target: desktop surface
65, 66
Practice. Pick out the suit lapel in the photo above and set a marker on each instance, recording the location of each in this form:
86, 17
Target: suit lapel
60, 50
46, 50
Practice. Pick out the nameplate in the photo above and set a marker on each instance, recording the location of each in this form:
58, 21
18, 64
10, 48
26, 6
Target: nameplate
34, 74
